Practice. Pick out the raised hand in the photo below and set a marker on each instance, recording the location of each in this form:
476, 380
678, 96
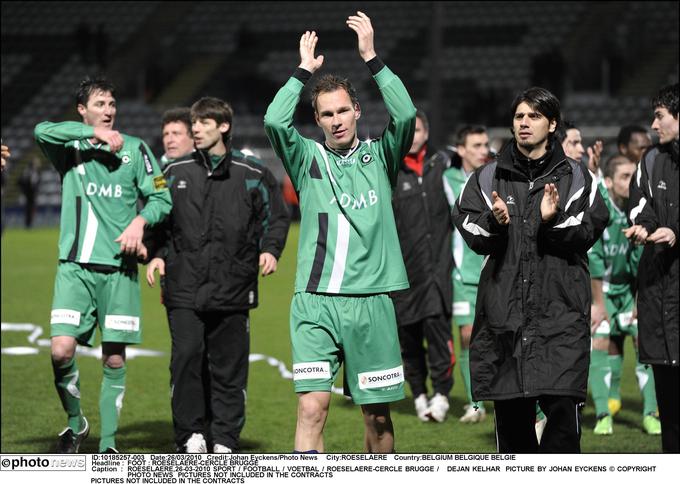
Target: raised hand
361, 24
550, 202
500, 209
109, 136
594, 155
307, 45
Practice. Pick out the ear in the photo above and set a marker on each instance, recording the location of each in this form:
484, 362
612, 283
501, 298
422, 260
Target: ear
608, 182
316, 118
357, 111
81, 110
224, 127
553, 126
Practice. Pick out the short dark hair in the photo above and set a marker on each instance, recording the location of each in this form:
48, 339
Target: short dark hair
561, 131
667, 98
612, 163
90, 85
467, 130
626, 133
331, 83
541, 100
420, 114
215, 109
178, 115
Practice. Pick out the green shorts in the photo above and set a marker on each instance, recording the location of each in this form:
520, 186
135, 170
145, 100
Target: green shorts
84, 298
620, 311
464, 299
361, 332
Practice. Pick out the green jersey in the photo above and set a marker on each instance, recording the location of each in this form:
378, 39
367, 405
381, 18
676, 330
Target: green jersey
100, 190
613, 258
468, 264
348, 238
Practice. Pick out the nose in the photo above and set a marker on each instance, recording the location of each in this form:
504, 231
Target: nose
655, 124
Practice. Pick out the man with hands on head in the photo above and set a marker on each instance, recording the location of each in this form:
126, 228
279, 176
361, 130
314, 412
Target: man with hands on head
227, 218
349, 257
100, 240
534, 213
653, 213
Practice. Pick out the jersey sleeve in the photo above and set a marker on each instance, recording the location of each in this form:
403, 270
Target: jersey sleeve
286, 141
53, 138
397, 138
152, 186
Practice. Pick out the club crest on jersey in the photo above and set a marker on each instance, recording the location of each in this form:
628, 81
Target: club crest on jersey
366, 159
125, 159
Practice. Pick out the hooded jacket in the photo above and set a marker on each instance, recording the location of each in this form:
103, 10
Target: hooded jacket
653, 203
531, 334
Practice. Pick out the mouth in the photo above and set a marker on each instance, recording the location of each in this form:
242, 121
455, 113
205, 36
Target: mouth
340, 133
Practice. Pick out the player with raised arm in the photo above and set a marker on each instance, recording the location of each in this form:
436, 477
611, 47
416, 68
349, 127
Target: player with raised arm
349, 257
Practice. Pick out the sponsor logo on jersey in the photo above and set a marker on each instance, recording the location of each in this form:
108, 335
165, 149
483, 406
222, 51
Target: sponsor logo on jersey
366, 159
310, 371
380, 379
356, 202
159, 183
121, 322
461, 308
107, 191
182, 184
65, 316
661, 185
612, 250
147, 160
346, 161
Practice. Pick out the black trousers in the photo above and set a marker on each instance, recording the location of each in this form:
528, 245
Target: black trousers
436, 330
666, 383
209, 374
515, 425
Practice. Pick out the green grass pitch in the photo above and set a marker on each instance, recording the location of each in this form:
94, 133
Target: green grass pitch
32, 415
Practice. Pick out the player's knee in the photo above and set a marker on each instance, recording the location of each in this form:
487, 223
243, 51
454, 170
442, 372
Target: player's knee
62, 354
378, 418
312, 411
113, 361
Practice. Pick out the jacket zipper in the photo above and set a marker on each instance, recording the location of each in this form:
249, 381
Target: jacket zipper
531, 182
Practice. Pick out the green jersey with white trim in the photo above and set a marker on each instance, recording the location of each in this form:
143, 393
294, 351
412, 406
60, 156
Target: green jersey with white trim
100, 191
613, 258
468, 264
348, 238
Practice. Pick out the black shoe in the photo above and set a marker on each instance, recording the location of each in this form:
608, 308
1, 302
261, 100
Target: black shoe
110, 450
69, 442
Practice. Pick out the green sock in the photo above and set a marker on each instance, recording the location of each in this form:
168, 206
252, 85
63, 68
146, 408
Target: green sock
598, 378
464, 361
539, 413
645, 378
615, 363
67, 382
110, 404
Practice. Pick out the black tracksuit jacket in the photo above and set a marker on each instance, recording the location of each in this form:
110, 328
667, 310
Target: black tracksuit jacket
221, 221
424, 224
531, 334
653, 203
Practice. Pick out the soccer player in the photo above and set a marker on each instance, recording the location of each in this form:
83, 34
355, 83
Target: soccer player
535, 214
348, 255
228, 216
424, 225
177, 138
613, 265
653, 211
632, 141
472, 145
102, 172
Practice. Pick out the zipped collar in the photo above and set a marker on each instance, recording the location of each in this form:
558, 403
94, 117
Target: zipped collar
222, 168
512, 160
349, 153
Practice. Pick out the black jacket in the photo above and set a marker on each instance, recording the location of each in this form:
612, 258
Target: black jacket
220, 222
531, 334
653, 203
424, 225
